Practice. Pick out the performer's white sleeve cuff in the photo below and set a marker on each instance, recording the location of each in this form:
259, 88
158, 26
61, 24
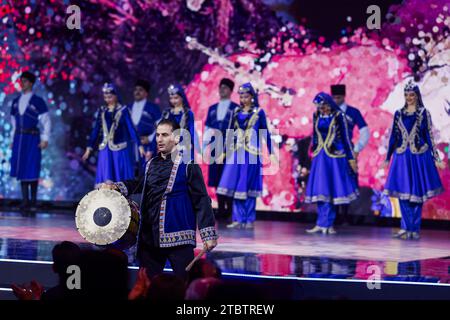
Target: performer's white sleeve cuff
13, 127
44, 120
364, 136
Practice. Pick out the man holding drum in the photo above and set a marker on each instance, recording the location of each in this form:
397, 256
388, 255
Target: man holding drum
174, 201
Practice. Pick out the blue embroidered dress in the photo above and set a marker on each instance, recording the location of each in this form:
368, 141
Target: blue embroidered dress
413, 175
222, 125
242, 173
331, 178
116, 132
185, 119
331, 181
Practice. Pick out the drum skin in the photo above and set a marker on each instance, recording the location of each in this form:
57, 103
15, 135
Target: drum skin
106, 218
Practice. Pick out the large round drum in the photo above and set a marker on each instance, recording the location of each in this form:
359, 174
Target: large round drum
106, 218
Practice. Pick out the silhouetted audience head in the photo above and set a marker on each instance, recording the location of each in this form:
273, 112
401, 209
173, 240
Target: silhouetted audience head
64, 255
104, 275
166, 287
199, 289
203, 269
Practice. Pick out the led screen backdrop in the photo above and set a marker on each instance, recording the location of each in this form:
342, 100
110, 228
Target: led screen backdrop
285, 48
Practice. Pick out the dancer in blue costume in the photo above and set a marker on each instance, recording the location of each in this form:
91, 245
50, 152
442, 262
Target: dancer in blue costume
332, 180
28, 111
115, 129
242, 173
413, 176
180, 112
354, 119
145, 115
218, 121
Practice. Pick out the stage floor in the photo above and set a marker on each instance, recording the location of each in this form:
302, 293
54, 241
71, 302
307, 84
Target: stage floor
273, 249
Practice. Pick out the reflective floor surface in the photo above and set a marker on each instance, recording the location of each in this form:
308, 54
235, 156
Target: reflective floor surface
271, 249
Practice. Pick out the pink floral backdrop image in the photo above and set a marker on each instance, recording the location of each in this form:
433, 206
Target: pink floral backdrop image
286, 54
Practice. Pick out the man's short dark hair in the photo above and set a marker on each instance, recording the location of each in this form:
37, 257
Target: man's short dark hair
227, 82
173, 124
143, 84
29, 76
338, 89
65, 254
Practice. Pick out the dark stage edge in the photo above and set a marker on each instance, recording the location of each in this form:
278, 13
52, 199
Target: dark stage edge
275, 254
